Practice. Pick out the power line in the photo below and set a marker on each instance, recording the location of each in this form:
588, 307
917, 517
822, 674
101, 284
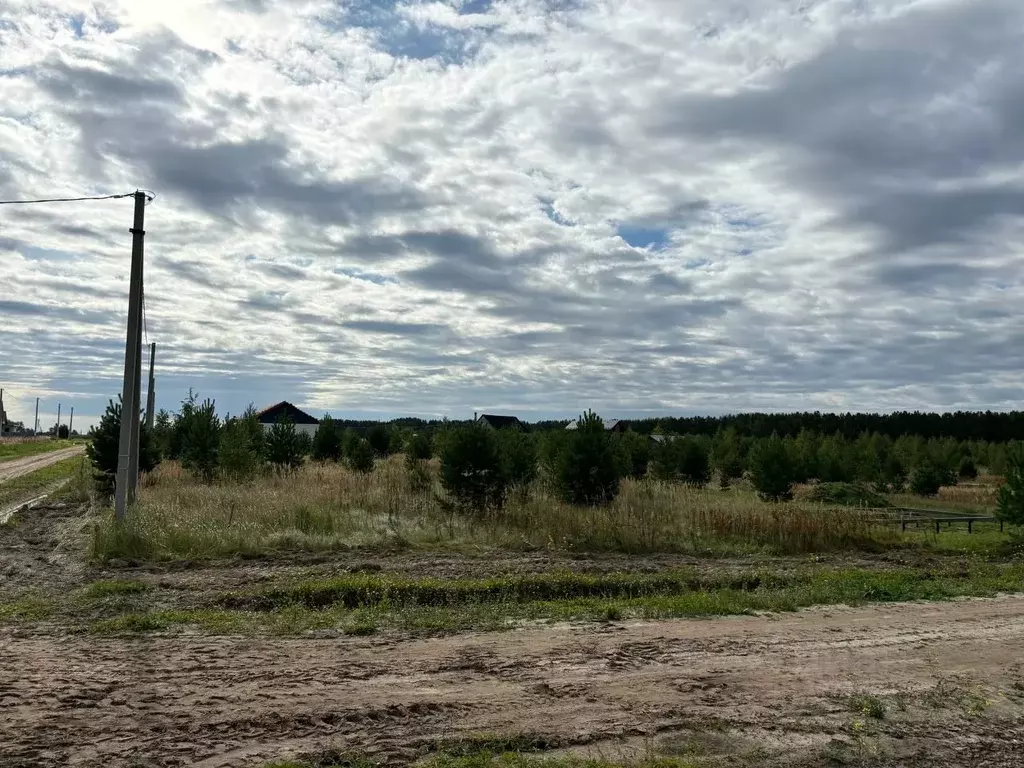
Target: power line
65, 199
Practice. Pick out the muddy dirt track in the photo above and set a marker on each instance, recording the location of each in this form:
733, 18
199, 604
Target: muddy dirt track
770, 688
18, 467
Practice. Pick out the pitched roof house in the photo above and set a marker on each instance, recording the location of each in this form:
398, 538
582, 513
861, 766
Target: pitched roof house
495, 421
303, 422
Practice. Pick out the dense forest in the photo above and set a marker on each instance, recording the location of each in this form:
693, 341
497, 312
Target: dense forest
989, 426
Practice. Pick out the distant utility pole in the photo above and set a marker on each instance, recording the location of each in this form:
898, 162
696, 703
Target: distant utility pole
151, 392
35, 427
57, 434
128, 445
71, 421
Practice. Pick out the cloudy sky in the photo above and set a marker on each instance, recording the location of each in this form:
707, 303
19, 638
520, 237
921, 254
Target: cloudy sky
527, 206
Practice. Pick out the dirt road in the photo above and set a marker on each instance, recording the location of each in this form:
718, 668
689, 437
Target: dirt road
763, 690
18, 467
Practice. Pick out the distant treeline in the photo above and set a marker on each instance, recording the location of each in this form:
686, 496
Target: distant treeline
993, 427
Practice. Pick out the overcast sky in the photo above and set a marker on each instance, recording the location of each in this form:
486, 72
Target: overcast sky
522, 206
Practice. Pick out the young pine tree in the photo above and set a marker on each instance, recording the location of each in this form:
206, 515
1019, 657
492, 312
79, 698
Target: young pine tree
200, 446
327, 441
1010, 499
772, 469
102, 450
472, 470
587, 470
284, 446
359, 455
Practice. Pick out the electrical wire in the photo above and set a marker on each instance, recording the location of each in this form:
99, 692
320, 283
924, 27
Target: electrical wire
68, 199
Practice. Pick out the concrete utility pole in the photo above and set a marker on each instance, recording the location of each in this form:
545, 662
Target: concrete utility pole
35, 427
128, 445
57, 433
151, 392
71, 421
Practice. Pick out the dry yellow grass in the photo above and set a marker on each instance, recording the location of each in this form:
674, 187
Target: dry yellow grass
326, 506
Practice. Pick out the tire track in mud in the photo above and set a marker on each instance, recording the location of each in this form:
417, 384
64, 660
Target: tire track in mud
229, 701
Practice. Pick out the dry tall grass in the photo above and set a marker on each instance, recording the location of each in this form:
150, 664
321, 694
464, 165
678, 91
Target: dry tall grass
326, 507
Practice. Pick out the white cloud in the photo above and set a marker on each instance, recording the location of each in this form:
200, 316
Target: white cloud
425, 207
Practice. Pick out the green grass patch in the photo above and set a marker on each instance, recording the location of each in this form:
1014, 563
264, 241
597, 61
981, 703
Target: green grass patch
869, 706
21, 450
26, 487
27, 609
108, 587
360, 605
364, 590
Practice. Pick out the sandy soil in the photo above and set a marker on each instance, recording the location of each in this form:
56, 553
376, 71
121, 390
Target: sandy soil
18, 467
777, 683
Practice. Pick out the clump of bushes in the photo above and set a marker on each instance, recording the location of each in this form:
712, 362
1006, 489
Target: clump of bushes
359, 455
928, 477
683, 459
847, 495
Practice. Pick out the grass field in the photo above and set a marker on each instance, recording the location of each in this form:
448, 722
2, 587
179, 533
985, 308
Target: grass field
325, 507
72, 475
329, 618
19, 448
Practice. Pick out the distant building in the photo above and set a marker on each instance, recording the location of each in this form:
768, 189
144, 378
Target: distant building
612, 425
494, 421
303, 422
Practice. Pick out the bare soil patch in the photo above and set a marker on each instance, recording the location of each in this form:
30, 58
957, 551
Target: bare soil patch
78, 700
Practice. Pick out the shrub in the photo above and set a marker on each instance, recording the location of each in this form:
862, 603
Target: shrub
587, 471
359, 456
727, 457
240, 458
327, 441
200, 446
418, 447
892, 475
518, 456
927, 478
379, 438
284, 445
1010, 498
104, 440
847, 495
772, 469
62, 432
684, 460
968, 469
634, 455
472, 470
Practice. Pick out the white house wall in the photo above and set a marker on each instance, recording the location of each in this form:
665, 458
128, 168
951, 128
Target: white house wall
308, 429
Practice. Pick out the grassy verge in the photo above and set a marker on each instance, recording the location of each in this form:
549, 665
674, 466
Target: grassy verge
10, 449
364, 605
33, 484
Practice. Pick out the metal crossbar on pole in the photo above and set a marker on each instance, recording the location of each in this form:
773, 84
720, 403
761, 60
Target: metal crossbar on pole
128, 445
